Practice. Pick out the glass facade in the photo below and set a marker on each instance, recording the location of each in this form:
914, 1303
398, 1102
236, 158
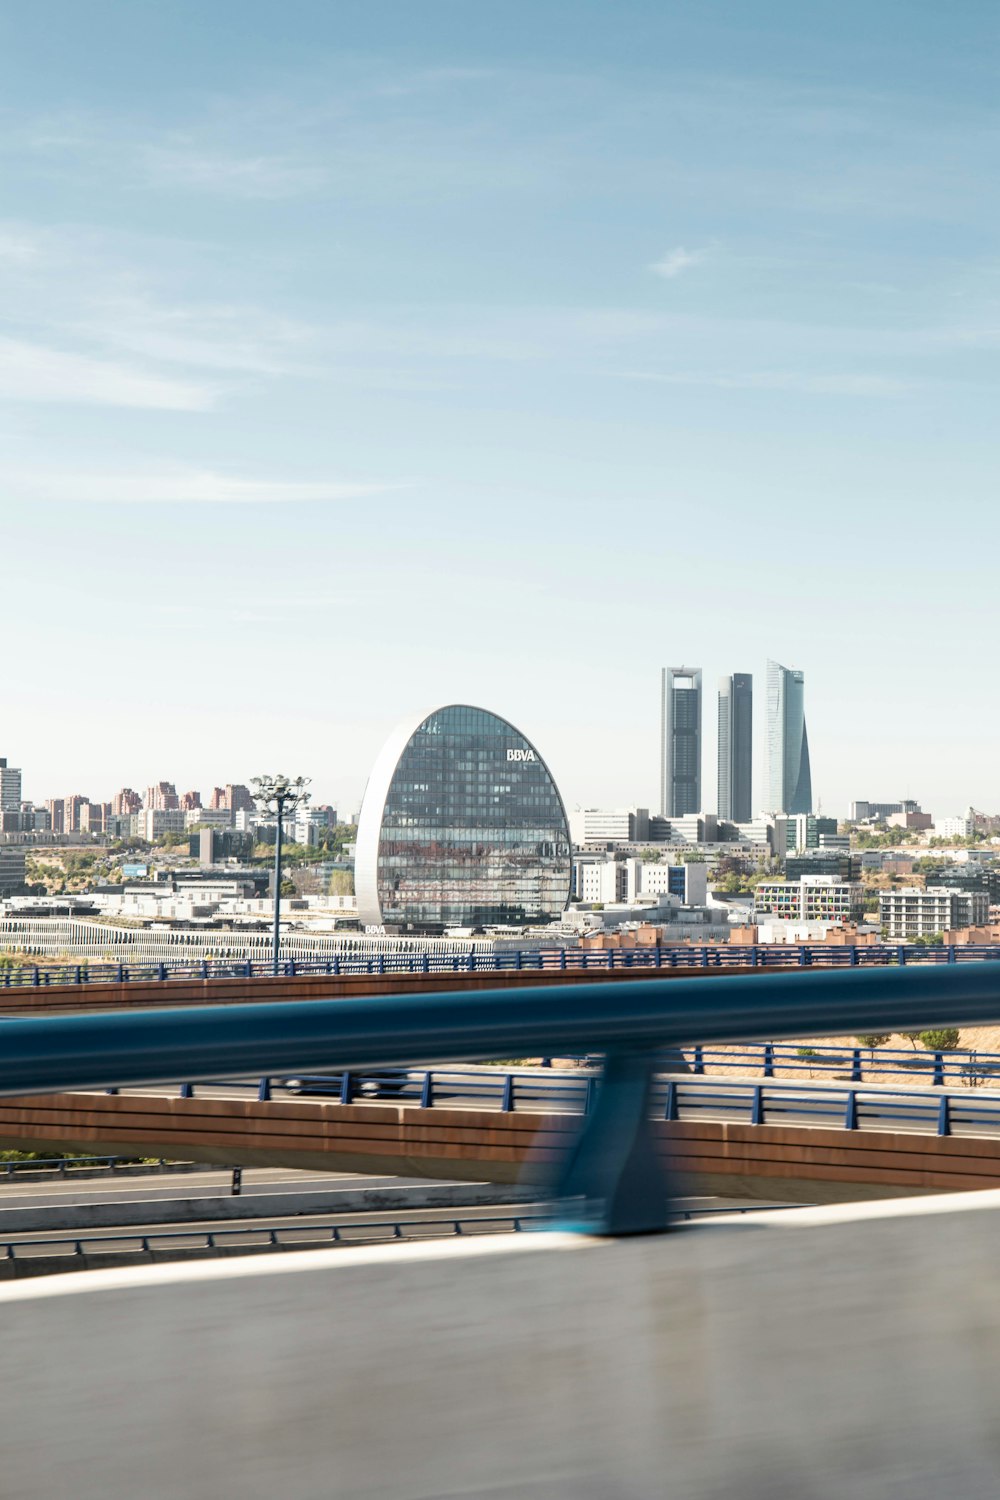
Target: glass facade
790, 780
471, 830
680, 741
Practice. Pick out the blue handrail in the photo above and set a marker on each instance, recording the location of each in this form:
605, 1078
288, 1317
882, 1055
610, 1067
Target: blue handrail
724, 955
614, 1162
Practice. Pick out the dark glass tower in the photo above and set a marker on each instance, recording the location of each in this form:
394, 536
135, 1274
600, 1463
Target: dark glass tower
736, 747
680, 741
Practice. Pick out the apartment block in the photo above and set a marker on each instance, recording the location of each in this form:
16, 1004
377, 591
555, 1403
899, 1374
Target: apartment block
913, 913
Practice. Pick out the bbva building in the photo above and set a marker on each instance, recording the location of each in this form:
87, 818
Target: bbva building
462, 826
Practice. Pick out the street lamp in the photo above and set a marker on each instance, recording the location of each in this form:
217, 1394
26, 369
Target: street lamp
278, 795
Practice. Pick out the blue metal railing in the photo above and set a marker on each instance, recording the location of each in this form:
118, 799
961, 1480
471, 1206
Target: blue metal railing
611, 960
614, 1163
671, 1098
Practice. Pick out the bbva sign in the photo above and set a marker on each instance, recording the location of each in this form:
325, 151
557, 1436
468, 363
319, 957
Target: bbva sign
521, 755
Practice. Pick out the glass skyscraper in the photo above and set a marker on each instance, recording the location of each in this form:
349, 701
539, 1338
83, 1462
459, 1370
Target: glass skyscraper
789, 778
680, 741
461, 826
736, 747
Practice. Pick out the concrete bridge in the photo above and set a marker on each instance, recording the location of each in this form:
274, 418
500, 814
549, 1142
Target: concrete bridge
801, 1163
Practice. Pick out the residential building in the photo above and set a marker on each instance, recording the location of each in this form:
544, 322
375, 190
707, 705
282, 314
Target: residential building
56, 807
208, 817
239, 798
956, 828
608, 881
913, 913
736, 747
74, 806
811, 898
789, 775
125, 802
617, 825
217, 798
680, 741
162, 797
153, 822
190, 801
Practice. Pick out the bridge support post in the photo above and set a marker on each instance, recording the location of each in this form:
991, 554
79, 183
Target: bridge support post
614, 1164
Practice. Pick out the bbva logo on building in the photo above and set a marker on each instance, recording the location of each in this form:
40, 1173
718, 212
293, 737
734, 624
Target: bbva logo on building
521, 755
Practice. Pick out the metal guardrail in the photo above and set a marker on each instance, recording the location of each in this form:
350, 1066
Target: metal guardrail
611, 960
614, 1165
313, 1236
670, 1099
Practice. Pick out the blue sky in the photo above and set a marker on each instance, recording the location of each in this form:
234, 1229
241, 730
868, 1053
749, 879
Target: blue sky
355, 357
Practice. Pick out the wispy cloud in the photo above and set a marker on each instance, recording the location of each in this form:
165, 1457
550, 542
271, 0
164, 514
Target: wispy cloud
201, 487
35, 372
189, 165
677, 261
781, 380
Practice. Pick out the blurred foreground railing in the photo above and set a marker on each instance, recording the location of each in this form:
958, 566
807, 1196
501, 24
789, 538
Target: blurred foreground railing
614, 1166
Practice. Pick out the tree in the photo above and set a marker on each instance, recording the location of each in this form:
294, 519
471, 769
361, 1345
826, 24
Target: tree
944, 1039
873, 1039
912, 1037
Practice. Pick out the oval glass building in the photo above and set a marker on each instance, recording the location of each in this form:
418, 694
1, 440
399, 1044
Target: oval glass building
461, 826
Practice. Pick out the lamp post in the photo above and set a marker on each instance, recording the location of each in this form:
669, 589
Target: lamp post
278, 795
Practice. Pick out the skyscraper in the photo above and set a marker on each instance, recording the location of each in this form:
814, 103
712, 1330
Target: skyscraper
789, 779
680, 741
736, 747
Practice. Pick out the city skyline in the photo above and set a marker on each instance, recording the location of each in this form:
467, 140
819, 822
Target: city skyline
335, 357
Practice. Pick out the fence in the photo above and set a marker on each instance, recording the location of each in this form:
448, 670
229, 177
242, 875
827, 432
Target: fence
613, 1167
478, 961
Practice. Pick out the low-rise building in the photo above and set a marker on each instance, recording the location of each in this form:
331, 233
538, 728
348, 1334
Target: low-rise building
811, 898
913, 913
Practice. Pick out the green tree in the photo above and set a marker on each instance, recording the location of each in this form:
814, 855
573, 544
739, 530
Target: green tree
873, 1039
944, 1039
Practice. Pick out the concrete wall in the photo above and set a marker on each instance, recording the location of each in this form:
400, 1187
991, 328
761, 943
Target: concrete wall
812, 1355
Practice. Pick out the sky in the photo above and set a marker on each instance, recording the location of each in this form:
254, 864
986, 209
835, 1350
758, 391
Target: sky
362, 357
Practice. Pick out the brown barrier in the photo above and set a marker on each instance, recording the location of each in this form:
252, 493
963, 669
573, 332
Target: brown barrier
67, 999
781, 1162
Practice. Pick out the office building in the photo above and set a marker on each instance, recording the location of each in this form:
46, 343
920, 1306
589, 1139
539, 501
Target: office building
461, 826
913, 913
789, 777
862, 811
12, 862
615, 825
736, 747
10, 791
823, 862
680, 741
811, 898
